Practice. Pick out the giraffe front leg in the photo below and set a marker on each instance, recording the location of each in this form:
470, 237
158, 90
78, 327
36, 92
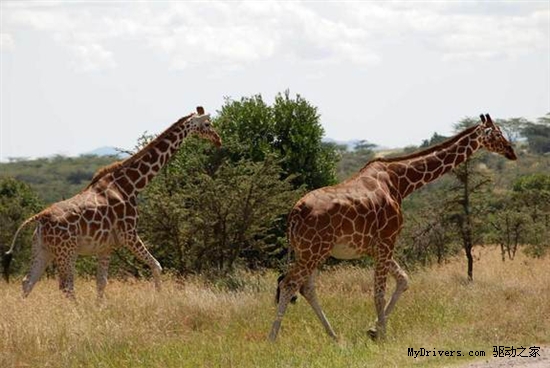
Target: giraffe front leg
380, 277
102, 274
136, 246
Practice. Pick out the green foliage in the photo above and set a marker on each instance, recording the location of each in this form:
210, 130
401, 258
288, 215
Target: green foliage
428, 234
508, 225
290, 129
210, 216
531, 194
55, 178
538, 135
17, 202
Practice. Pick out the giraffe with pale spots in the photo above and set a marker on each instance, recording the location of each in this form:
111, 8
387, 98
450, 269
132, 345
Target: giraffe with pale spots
104, 215
362, 217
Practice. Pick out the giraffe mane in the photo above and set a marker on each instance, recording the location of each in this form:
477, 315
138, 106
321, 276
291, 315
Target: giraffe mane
117, 165
446, 143
101, 172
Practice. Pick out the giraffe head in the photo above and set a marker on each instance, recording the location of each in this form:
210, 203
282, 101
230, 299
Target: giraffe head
493, 140
201, 125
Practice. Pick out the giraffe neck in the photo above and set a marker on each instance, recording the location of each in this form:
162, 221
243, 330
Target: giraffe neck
138, 170
416, 170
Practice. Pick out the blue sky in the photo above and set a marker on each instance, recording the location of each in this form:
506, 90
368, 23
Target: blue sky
76, 76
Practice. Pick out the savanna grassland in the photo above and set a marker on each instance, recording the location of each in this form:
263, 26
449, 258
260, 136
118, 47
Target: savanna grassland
192, 323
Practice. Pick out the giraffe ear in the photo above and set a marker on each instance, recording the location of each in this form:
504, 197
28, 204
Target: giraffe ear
487, 131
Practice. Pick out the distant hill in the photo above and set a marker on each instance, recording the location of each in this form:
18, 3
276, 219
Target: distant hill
106, 151
351, 144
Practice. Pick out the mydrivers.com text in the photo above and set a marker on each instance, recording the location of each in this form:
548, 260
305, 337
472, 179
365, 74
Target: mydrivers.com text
423, 352
498, 352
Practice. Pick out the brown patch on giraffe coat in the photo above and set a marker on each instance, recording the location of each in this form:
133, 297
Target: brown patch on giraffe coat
133, 174
141, 183
346, 227
163, 145
413, 175
449, 159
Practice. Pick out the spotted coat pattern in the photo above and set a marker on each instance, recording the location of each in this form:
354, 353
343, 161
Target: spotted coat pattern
104, 215
362, 217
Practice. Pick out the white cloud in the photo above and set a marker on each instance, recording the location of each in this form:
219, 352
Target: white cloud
232, 35
92, 57
460, 31
6, 41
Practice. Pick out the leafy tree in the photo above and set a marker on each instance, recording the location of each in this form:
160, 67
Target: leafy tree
17, 202
428, 233
509, 224
538, 135
512, 128
532, 193
290, 129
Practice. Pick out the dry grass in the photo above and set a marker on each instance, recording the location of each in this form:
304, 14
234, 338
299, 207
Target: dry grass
197, 324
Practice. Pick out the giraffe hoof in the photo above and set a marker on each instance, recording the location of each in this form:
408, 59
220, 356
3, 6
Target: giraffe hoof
373, 334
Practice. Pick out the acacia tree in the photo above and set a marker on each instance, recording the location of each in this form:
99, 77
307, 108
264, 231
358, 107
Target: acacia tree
538, 135
532, 194
427, 233
509, 224
470, 185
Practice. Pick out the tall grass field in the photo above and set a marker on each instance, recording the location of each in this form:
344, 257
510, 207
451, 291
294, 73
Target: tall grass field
193, 323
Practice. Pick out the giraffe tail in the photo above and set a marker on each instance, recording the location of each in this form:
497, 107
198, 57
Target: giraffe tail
6, 260
278, 293
8, 256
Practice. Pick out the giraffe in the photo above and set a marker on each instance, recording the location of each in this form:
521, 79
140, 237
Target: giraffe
104, 215
362, 217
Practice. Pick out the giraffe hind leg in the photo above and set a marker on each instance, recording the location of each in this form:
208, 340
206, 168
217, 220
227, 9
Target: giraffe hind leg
278, 293
40, 259
286, 290
402, 284
308, 291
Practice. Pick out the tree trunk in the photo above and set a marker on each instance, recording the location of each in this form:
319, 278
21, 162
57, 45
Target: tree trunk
468, 250
466, 224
